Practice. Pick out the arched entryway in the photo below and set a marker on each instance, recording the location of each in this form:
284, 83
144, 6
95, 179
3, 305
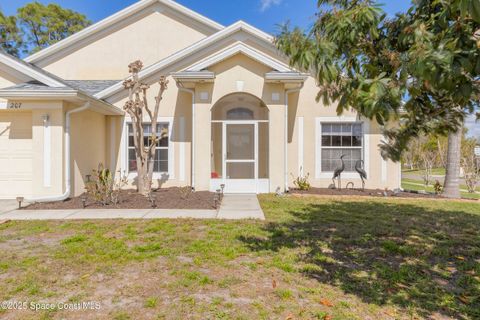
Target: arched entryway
240, 144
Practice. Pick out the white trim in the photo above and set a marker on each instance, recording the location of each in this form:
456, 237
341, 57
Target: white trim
29, 71
182, 169
171, 151
115, 18
3, 105
47, 152
236, 49
318, 145
287, 76
384, 167
301, 166
156, 67
194, 76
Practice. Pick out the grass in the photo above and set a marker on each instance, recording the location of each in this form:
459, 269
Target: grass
312, 259
410, 184
435, 171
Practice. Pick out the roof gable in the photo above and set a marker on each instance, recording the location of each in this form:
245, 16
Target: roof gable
239, 28
240, 48
120, 17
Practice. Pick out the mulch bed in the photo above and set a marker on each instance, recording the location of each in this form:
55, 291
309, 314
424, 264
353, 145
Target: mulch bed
168, 198
364, 193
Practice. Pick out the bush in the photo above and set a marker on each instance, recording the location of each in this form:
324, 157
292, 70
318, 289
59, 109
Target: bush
102, 186
302, 183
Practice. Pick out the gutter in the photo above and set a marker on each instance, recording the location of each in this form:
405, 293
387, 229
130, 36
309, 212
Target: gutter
67, 166
287, 93
192, 92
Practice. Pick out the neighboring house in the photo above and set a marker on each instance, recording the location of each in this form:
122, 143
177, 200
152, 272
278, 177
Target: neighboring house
236, 113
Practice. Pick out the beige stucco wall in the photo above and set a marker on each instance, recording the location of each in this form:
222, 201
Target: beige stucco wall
150, 39
242, 74
304, 105
89, 146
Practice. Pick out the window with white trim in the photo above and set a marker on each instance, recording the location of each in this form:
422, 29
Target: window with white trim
161, 153
339, 139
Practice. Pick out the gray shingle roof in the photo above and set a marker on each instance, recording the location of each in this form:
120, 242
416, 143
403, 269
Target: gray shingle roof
88, 86
91, 86
34, 85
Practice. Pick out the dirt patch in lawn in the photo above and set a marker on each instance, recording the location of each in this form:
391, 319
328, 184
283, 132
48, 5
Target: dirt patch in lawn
168, 198
364, 193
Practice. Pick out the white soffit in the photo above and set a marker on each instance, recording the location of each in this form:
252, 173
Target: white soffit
118, 17
236, 49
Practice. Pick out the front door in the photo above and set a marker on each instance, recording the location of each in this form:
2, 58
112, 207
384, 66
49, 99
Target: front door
240, 156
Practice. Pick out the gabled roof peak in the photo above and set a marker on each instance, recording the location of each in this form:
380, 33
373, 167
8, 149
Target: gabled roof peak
116, 18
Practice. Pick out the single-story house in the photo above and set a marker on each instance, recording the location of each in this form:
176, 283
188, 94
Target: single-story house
237, 114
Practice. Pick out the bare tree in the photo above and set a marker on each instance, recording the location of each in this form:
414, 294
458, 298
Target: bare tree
428, 157
136, 107
469, 165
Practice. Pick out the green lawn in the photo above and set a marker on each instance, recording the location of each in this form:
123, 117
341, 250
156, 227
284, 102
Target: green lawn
410, 184
311, 259
435, 171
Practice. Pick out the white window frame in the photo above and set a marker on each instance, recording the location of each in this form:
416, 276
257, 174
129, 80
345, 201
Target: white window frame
171, 151
319, 174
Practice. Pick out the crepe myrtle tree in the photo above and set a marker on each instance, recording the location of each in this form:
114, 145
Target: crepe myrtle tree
420, 68
138, 108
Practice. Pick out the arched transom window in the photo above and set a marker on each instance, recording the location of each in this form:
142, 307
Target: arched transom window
240, 114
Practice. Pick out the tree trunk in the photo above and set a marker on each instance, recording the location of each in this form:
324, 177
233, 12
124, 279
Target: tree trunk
452, 177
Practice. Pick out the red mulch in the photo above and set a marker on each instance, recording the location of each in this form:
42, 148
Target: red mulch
168, 198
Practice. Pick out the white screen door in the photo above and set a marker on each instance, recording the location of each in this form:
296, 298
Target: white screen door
240, 165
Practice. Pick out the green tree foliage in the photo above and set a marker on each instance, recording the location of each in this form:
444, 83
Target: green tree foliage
10, 38
44, 25
421, 67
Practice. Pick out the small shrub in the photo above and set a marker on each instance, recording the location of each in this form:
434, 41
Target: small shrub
103, 187
438, 187
302, 183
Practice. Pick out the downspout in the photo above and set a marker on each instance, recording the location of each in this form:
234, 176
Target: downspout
68, 179
192, 92
287, 93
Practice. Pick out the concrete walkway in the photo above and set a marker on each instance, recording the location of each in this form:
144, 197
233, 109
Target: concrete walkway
240, 206
235, 207
8, 205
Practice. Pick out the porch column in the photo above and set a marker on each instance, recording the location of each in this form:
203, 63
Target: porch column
277, 147
202, 132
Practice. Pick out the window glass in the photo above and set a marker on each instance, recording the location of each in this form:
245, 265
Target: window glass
341, 139
161, 151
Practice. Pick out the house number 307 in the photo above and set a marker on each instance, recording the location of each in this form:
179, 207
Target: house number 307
15, 105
